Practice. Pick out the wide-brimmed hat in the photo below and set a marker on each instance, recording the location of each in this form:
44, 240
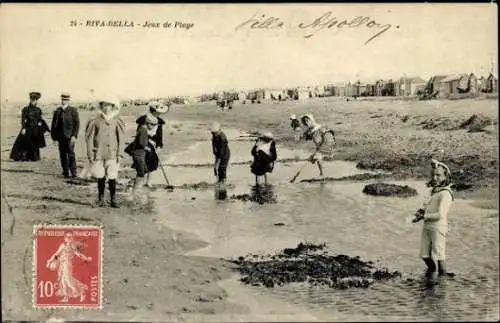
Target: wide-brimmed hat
158, 107
266, 135
35, 95
109, 101
293, 116
65, 96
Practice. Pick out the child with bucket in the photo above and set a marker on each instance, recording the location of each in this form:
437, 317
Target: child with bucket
264, 154
323, 139
434, 213
104, 136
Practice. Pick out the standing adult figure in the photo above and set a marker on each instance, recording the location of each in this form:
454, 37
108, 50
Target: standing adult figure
64, 130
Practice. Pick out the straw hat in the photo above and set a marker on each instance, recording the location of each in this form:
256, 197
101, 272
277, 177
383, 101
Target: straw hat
158, 107
267, 135
293, 116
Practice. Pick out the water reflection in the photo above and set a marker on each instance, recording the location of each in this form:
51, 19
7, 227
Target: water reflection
220, 193
263, 193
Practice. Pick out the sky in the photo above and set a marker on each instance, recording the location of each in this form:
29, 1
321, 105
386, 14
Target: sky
40, 51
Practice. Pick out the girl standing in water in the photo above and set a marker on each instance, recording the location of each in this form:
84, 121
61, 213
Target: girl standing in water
434, 213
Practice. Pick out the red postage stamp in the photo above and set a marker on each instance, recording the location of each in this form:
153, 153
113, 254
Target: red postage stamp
67, 266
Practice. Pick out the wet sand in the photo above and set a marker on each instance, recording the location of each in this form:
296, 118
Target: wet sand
162, 263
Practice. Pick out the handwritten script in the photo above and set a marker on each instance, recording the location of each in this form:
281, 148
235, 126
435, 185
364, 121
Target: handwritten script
311, 28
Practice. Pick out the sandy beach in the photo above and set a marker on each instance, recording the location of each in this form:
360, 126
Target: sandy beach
148, 273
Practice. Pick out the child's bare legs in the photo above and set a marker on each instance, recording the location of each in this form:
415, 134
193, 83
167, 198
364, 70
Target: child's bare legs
138, 188
431, 265
320, 168
148, 183
441, 267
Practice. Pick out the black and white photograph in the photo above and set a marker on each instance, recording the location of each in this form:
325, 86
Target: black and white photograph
283, 162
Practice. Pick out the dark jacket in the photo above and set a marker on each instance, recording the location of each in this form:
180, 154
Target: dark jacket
65, 123
295, 124
140, 155
35, 125
220, 148
158, 137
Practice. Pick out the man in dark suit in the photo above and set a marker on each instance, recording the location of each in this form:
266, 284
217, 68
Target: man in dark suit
64, 130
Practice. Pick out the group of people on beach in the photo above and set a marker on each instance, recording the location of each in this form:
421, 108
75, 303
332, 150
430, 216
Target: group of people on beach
104, 138
105, 143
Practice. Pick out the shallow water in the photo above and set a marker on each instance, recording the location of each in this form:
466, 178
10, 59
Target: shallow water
338, 213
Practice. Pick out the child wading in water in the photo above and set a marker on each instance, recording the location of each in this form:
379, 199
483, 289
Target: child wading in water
222, 154
104, 136
156, 109
435, 216
144, 154
323, 138
264, 154
295, 125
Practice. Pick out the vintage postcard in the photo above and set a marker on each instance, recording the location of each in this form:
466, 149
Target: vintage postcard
249, 162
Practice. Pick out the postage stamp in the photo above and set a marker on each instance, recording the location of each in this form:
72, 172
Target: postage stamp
67, 266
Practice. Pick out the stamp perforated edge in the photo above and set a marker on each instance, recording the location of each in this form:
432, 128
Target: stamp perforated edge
36, 227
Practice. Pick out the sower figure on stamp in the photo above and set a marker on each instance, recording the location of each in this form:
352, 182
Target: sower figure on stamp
434, 213
33, 127
62, 261
222, 154
155, 109
323, 138
64, 130
104, 136
264, 154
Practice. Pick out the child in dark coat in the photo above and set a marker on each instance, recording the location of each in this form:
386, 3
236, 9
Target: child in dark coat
221, 151
264, 154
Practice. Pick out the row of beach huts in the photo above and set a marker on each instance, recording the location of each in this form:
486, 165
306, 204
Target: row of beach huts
438, 86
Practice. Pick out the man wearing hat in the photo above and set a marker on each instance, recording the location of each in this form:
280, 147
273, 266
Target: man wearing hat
33, 127
64, 130
156, 109
104, 136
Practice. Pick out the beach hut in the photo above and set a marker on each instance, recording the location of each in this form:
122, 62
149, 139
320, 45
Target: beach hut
304, 93
491, 84
339, 89
379, 87
449, 85
434, 82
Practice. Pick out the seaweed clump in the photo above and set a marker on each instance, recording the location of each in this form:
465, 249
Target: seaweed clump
311, 264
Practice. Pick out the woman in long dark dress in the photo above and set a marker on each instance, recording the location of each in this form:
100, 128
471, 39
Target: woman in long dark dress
31, 138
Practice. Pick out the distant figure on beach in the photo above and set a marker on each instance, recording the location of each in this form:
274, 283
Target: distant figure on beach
104, 136
264, 156
64, 130
295, 125
434, 213
33, 127
221, 151
323, 139
62, 261
143, 154
156, 109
